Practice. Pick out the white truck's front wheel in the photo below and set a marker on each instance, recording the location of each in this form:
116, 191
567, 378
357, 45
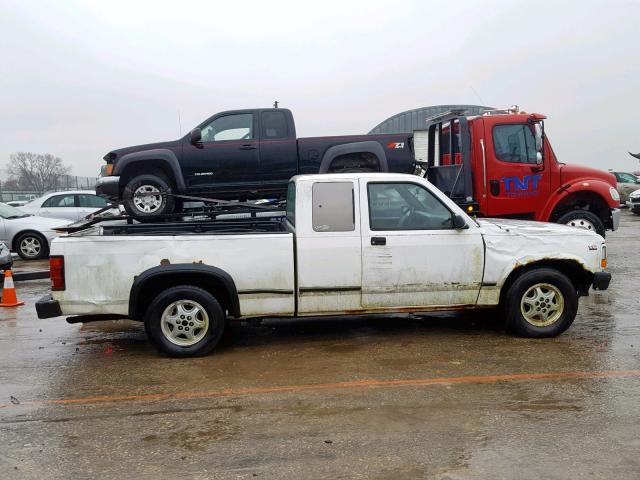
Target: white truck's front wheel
184, 321
540, 303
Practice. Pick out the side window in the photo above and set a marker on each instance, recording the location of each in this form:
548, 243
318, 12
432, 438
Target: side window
333, 207
92, 201
406, 206
626, 178
274, 125
229, 127
59, 201
291, 203
514, 143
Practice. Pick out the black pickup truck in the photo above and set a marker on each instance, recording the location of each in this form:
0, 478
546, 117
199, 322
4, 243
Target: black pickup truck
239, 154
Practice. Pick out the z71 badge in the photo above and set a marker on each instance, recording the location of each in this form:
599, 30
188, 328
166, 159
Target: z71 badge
395, 145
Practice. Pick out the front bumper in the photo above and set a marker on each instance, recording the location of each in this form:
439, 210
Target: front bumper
47, 307
633, 206
615, 218
601, 280
109, 187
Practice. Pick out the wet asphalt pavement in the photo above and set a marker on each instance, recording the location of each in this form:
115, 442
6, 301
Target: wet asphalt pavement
444, 396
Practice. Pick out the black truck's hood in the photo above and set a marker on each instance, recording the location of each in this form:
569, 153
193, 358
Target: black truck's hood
114, 155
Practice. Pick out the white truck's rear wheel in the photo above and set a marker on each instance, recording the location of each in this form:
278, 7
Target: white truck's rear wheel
540, 303
184, 321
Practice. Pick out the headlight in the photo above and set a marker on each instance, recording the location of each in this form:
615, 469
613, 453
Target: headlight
634, 194
614, 194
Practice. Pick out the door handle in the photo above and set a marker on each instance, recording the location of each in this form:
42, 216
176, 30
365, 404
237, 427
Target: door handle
494, 187
248, 146
378, 241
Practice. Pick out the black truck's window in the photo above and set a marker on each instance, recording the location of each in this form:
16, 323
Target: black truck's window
333, 207
274, 125
230, 127
514, 143
406, 206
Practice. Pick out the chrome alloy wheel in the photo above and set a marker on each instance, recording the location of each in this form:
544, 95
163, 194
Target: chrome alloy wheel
542, 304
184, 323
145, 200
31, 246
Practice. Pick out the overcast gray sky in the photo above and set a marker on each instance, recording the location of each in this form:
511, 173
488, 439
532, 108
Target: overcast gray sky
80, 78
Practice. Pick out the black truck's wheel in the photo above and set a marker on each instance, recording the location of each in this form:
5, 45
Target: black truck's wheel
583, 219
540, 303
184, 321
142, 197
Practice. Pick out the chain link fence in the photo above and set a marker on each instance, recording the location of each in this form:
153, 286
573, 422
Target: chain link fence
66, 182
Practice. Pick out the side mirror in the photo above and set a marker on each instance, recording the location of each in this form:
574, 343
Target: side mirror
539, 134
459, 223
195, 136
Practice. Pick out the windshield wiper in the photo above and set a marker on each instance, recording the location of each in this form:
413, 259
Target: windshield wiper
17, 216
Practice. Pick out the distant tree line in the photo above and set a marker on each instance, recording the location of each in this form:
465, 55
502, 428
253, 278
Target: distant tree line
35, 171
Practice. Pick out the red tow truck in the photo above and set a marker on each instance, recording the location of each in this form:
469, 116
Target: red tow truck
501, 164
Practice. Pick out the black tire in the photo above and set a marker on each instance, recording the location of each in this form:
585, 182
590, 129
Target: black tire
153, 322
27, 243
582, 219
514, 304
159, 205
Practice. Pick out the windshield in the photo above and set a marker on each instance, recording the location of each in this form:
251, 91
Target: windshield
7, 211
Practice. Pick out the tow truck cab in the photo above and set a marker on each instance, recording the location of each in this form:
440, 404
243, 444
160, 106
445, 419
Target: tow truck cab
501, 164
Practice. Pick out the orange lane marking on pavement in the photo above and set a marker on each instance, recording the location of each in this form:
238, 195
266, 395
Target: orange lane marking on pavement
232, 392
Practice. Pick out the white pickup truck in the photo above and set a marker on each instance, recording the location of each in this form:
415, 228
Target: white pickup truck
349, 244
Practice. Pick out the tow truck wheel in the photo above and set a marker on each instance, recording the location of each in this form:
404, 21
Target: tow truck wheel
143, 197
184, 321
583, 219
540, 303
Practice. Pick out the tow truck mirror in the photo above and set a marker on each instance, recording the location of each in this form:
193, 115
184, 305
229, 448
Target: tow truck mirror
459, 223
539, 132
195, 136
539, 158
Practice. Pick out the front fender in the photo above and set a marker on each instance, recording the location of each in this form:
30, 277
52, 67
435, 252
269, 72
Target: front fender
166, 156
591, 186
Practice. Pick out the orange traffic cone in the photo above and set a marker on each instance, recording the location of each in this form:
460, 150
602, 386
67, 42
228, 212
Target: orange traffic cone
9, 298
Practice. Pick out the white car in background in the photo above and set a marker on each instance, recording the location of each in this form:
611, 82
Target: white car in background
27, 235
72, 205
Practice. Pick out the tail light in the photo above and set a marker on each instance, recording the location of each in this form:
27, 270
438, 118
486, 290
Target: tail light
56, 269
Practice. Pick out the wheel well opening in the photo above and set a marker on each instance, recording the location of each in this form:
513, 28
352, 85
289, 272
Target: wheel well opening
575, 272
151, 167
583, 200
154, 286
356, 160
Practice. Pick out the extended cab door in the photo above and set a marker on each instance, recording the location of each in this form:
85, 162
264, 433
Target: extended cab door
411, 254
278, 147
227, 154
517, 185
329, 265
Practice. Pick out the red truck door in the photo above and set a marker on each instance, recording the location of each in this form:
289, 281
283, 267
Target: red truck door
517, 185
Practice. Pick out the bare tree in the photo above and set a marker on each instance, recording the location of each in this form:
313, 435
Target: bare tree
34, 171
